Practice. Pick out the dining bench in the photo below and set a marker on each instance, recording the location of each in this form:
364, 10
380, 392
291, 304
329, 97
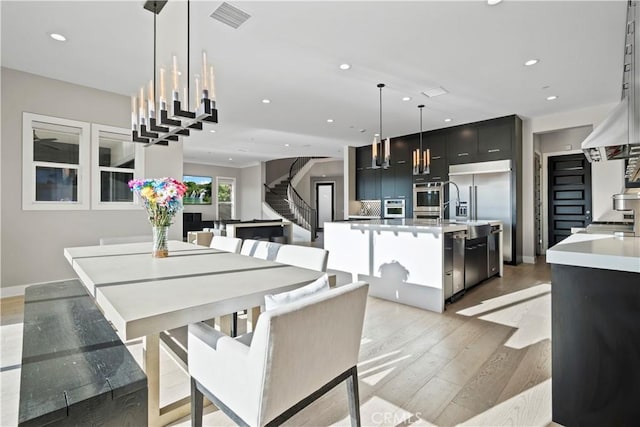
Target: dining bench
75, 369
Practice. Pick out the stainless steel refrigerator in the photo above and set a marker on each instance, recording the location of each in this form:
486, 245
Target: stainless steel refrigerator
485, 191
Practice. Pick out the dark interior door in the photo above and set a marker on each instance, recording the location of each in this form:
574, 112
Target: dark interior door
569, 195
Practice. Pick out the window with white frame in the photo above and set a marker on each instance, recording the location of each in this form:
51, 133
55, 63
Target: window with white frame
226, 188
115, 161
55, 168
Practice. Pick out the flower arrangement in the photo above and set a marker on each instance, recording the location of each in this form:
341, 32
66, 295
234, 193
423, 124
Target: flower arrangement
161, 197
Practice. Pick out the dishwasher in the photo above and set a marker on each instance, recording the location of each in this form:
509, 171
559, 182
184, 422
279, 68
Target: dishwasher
494, 250
453, 279
476, 263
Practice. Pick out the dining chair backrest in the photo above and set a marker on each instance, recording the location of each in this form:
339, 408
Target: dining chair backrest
267, 250
227, 244
296, 350
249, 247
303, 256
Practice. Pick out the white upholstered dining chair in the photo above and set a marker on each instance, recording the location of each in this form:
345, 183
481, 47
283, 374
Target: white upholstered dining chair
303, 256
297, 353
225, 243
260, 249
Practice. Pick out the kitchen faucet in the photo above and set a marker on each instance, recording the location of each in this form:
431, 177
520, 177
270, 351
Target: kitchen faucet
457, 195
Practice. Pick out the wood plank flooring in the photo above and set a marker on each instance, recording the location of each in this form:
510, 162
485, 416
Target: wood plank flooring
485, 362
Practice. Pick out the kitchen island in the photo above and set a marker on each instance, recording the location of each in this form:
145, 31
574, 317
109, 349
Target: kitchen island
595, 314
403, 260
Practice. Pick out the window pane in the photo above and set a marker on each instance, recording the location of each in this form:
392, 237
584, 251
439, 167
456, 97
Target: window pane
56, 184
114, 186
224, 192
115, 151
224, 211
56, 146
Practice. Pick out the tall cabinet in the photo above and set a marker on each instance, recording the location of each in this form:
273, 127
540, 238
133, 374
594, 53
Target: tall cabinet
495, 139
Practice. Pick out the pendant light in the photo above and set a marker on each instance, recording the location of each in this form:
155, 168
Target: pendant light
158, 122
380, 151
421, 158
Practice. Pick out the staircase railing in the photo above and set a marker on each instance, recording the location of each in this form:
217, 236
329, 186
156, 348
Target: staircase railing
303, 213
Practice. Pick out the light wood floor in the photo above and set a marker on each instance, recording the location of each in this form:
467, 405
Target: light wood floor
485, 362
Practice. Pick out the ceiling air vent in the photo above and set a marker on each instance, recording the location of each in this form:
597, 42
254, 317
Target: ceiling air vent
230, 15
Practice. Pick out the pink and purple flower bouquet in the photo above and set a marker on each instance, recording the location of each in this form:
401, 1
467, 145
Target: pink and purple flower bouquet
161, 197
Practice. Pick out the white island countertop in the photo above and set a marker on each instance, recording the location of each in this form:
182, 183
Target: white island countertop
602, 251
442, 226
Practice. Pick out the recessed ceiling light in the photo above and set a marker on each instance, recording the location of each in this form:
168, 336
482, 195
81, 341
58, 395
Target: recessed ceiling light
329, 120
212, 131
286, 145
230, 158
552, 98
531, 62
493, 2
406, 98
376, 134
266, 101
179, 73
345, 66
447, 120
58, 37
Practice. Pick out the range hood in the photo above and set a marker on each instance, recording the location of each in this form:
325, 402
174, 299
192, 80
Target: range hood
618, 136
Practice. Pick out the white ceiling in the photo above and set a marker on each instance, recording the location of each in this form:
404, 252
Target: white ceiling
290, 51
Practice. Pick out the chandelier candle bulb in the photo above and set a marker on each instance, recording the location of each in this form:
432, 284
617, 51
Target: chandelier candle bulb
205, 83
134, 116
150, 101
163, 98
175, 78
141, 111
197, 94
212, 86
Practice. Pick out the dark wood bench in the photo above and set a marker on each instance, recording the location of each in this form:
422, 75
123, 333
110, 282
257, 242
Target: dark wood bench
75, 369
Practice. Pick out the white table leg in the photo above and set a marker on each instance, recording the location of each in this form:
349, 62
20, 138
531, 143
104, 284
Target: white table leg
151, 360
252, 317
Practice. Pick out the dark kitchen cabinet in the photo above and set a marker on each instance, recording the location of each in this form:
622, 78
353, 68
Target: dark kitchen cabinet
367, 178
395, 182
495, 139
462, 145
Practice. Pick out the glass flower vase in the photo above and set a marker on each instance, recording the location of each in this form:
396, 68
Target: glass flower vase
160, 242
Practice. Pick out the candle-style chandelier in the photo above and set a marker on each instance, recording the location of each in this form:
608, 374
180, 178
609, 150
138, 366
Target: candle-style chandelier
380, 149
421, 158
171, 120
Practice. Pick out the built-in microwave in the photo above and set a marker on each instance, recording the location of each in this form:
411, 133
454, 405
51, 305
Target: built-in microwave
427, 200
393, 208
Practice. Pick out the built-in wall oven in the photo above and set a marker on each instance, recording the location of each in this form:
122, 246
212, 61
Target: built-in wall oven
427, 200
393, 208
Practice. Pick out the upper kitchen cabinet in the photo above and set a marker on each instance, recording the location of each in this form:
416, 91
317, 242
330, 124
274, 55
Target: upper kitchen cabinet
436, 142
495, 139
396, 180
462, 144
367, 178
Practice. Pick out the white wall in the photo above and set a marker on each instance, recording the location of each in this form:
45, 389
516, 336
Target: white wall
210, 212
33, 241
251, 191
318, 167
591, 116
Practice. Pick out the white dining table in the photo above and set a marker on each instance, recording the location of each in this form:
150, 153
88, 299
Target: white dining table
143, 296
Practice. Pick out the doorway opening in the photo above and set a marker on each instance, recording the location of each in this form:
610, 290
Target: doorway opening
325, 203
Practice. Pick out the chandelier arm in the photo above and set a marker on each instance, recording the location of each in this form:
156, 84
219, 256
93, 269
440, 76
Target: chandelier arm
155, 38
